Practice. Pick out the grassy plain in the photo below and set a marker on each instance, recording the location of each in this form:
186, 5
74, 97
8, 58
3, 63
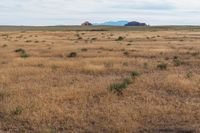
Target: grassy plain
100, 79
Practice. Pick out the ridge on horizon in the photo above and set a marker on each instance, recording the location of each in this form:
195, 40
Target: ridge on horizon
113, 23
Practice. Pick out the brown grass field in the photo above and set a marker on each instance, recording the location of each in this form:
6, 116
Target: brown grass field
100, 81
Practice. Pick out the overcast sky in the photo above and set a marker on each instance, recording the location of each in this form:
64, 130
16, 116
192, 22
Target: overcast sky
72, 12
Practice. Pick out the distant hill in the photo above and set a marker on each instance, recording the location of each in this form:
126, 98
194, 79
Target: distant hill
86, 23
113, 23
121, 23
135, 23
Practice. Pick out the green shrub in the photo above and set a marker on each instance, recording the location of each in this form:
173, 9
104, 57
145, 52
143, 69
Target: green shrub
128, 81
162, 66
135, 74
4, 45
54, 67
119, 87
189, 74
126, 53
175, 57
145, 65
28, 41
108, 64
120, 38
177, 62
17, 111
94, 39
195, 53
40, 65
2, 95
125, 64
84, 49
19, 50
22, 52
72, 55
24, 55
80, 38
110, 49
4, 35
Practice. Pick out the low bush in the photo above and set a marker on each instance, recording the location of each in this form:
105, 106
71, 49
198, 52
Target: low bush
2, 95
189, 74
126, 53
162, 66
4, 45
79, 38
22, 52
145, 65
72, 55
24, 55
17, 111
94, 39
19, 50
195, 53
120, 86
177, 62
108, 64
125, 64
120, 38
84, 49
135, 74
28, 41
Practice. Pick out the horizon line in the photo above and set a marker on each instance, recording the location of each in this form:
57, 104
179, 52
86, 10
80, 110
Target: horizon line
26, 25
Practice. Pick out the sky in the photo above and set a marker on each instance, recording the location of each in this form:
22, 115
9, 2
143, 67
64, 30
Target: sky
74, 12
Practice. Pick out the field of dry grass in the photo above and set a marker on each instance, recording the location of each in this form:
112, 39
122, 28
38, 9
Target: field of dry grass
100, 81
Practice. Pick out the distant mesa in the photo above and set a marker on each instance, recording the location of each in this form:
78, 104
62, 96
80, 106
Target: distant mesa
86, 23
113, 23
135, 23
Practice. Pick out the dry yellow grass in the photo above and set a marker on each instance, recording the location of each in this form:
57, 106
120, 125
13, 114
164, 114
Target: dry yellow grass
50, 92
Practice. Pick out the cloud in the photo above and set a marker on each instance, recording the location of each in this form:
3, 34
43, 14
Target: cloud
53, 12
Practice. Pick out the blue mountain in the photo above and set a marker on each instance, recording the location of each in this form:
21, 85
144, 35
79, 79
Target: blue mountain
135, 23
113, 23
